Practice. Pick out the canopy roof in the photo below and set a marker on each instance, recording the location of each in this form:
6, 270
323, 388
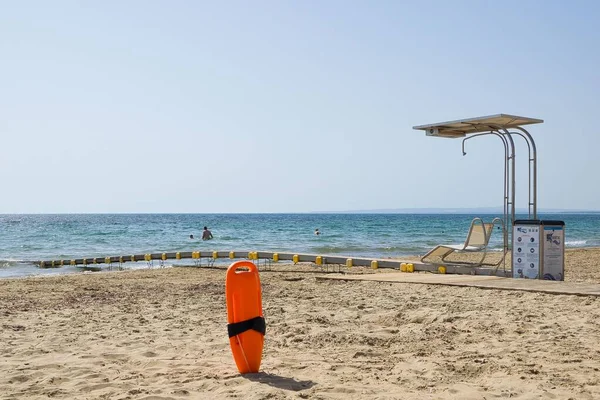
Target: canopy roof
462, 127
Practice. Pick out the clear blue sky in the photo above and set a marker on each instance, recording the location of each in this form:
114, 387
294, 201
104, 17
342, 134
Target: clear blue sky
146, 106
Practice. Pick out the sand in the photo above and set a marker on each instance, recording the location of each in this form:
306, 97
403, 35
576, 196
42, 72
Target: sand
161, 334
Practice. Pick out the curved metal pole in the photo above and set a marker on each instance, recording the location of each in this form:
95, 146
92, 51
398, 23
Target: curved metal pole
534, 161
511, 143
512, 172
506, 187
529, 170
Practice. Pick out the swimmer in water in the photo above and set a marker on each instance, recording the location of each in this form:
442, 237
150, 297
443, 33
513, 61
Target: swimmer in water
206, 234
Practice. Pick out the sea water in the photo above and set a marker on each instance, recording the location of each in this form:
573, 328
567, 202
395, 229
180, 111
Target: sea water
28, 238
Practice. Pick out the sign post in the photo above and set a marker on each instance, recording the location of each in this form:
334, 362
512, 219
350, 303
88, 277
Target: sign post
526, 261
553, 250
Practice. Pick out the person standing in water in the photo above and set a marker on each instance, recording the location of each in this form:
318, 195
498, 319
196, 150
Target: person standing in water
317, 231
206, 234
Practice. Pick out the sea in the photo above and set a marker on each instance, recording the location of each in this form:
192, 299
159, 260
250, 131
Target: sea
25, 239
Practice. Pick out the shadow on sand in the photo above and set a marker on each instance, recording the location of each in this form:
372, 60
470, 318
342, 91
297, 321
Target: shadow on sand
280, 382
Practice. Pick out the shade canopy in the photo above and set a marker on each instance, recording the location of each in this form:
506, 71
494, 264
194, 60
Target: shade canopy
462, 127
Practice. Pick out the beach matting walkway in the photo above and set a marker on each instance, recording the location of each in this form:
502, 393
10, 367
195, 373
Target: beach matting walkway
478, 281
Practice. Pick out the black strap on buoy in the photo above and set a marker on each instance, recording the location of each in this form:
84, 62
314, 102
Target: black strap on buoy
257, 324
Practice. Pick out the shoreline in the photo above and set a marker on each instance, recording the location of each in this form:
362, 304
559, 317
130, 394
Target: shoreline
412, 257
569, 252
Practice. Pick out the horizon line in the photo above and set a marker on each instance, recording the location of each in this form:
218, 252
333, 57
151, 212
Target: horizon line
424, 210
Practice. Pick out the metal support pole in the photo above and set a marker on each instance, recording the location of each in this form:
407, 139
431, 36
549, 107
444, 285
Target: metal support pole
512, 173
529, 203
532, 160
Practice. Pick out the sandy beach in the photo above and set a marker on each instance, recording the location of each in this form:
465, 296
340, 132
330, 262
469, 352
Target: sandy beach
161, 334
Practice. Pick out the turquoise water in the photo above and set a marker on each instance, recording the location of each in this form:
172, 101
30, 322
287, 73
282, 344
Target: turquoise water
26, 238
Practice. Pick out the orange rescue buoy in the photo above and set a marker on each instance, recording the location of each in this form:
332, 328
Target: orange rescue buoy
246, 323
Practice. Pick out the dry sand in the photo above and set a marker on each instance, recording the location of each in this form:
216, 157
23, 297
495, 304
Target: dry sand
161, 334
